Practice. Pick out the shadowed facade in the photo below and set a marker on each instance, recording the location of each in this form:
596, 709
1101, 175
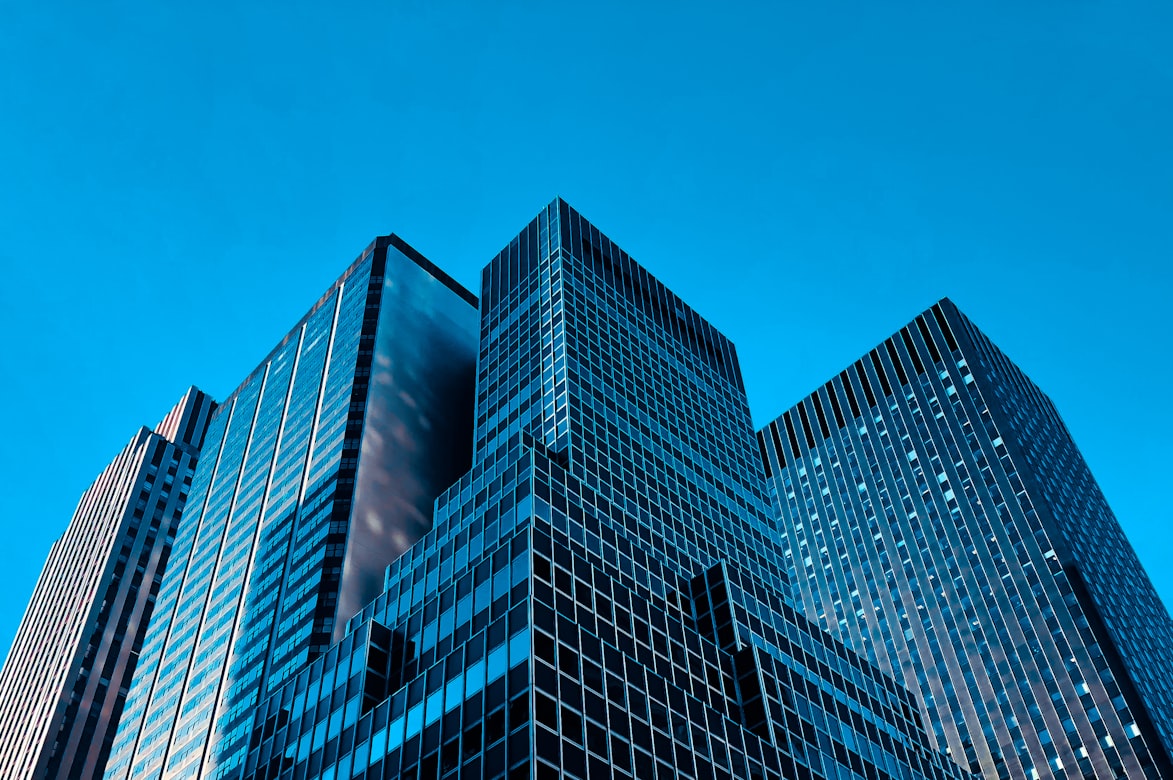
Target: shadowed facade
64, 682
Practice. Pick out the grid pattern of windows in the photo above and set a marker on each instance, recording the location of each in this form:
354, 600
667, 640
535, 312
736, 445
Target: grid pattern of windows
266, 552
939, 518
600, 596
65, 680
1105, 573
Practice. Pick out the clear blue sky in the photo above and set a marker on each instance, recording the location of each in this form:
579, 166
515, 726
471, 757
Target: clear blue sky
179, 182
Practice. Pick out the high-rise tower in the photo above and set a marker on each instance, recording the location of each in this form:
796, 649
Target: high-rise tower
65, 680
318, 470
601, 593
940, 519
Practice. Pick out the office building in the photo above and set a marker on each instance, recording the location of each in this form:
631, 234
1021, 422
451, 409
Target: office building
939, 519
318, 469
65, 679
601, 595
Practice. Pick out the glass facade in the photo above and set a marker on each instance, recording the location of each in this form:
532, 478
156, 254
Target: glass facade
317, 471
65, 679
601, 595
938, 517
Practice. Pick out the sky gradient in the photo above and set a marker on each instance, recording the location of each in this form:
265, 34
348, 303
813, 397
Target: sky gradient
180, 183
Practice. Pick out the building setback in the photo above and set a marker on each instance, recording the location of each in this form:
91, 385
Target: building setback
939, 518
601, 594
65, 679
319, 469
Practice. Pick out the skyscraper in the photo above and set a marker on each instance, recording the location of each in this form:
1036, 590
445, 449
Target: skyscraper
65, 679
601, 594
940, 519
318, 470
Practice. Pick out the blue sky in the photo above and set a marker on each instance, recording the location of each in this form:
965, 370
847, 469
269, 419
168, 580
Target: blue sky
179, 183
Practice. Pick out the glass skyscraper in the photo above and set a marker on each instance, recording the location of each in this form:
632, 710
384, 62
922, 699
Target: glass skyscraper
602, 593
939, 518
318, 470
65, 679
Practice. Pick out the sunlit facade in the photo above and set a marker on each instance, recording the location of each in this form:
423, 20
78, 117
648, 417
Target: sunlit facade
318, 470
938, 517
601, 595
64, 681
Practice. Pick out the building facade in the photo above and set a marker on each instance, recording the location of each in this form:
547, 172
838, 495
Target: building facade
601, 595
939, 518
65, 679
319, 469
